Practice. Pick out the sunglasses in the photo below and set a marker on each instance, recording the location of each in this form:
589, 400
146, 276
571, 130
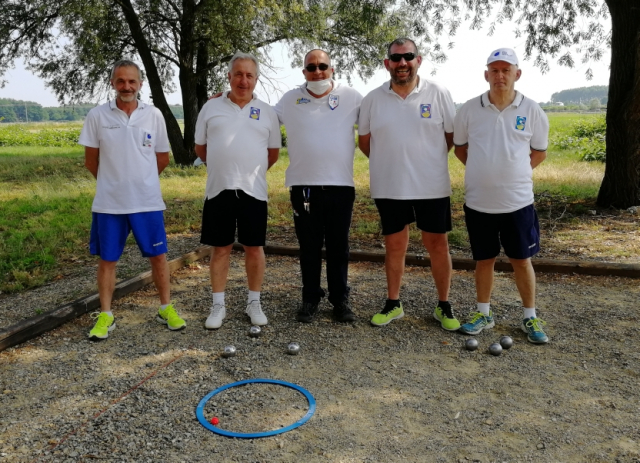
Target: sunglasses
396, 57
313, 67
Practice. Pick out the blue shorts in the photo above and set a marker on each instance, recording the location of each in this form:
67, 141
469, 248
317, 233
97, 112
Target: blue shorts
430, 215
518, 232
109, 234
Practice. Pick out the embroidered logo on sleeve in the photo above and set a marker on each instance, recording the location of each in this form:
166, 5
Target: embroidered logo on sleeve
520, 122
255, 113
425, 111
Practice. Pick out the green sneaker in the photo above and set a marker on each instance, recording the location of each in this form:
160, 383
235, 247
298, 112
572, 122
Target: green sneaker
104, 324
390, 312
446, 318
170, 317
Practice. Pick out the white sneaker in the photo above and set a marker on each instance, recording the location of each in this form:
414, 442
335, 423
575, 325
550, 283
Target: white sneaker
214, 320
255, 313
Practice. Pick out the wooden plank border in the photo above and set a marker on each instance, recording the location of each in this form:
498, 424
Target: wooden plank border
32, 327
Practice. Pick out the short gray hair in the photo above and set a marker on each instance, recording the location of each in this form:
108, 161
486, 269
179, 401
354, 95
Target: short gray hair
402, 41
239, 55
125, 63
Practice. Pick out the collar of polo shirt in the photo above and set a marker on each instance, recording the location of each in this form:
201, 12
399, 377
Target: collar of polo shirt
485, 102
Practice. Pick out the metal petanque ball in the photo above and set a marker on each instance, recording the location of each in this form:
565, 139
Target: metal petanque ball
229, 351
495, 348
471, 344
506, 342
255, 331
293, 348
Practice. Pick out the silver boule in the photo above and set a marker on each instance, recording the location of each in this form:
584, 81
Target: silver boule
506, 342
471, 344
229, 351
255, 331
495, 348
293, 348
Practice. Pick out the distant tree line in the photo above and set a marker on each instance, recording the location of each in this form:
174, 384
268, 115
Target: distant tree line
582, 95
29, 111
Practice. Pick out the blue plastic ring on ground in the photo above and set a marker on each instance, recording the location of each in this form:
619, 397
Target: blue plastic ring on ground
203, 421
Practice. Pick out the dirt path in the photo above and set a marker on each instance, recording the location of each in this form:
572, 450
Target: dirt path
404, 392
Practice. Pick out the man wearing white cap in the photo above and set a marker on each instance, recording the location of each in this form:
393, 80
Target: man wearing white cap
501, 136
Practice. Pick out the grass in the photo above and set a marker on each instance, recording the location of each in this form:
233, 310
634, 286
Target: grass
46, 195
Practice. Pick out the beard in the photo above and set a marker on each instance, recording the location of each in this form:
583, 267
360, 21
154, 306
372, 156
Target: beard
404, 79
127, 97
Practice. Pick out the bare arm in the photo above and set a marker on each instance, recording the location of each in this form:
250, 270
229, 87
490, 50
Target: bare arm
91, 160
364, 143
163, 161
273, 156
201, 152
537, 157
449, 138
461, 153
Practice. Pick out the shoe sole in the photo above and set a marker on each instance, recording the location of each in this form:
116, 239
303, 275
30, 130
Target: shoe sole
397, 317
98, 338
258, 324
212, 327
487, 326
546, 340
159, 319
304, 319
444, 327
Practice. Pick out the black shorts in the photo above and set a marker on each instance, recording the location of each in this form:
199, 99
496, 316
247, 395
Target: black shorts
221, 213
430, 215
518, 232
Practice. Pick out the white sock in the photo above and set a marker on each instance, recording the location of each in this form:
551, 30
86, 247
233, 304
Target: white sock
253, 296
164, 306
109, 313
529, 313
218, 298
484, 307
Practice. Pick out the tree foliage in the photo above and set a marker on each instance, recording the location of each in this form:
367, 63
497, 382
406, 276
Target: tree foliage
581, 94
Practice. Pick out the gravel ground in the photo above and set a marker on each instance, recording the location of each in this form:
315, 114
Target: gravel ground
404, 392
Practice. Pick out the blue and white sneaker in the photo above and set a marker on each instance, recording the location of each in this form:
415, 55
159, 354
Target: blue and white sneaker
478, 322
533, 327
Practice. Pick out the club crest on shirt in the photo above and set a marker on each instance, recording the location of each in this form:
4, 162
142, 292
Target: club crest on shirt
425, 111
255, 113
334, 101
520, 122
303, 101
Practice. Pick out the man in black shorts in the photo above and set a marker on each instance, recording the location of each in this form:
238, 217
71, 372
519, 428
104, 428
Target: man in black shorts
238, 136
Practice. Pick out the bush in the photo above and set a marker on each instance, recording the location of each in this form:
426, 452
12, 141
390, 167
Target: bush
16, 135
588, 137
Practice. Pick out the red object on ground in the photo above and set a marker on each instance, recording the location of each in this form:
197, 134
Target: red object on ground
215, 420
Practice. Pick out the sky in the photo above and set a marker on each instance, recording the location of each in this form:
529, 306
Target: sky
462, 73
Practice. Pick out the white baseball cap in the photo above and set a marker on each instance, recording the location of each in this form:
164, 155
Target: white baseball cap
503, 54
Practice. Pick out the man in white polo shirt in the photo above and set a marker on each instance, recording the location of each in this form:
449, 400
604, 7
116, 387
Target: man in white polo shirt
126, 148
319, 117
406, 129
238, 136
501, 136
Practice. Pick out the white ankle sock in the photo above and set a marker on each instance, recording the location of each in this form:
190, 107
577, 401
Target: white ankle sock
253, 296
109, 313
218, 298
529, 313
484, 307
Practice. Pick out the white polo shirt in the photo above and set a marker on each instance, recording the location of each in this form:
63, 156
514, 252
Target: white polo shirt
408, 158
237, 140
128, 179
320, 135
498, 175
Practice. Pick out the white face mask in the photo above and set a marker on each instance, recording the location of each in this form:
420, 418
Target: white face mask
319, 86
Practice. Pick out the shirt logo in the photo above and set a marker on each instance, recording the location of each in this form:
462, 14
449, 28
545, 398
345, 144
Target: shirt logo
520, 122
146, 141
425, 111
110, 126
303, 101
255, 113
334, 101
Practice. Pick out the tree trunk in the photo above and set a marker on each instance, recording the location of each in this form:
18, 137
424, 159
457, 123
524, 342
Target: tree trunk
621, 184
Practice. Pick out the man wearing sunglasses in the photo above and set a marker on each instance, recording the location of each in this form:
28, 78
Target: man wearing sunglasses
406, 130
319, 117
500, 137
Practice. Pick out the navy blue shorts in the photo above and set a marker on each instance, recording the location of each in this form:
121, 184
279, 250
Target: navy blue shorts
109, 234
229, 208
430, 215
518, 232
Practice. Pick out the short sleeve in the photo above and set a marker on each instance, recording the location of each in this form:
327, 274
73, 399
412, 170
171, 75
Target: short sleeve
201, 126
448, 111
540, 137
90, 135
162, 139
275, 138
364, 118
460, 127
279, 109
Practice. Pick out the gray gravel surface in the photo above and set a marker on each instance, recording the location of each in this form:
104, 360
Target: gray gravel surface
405, 392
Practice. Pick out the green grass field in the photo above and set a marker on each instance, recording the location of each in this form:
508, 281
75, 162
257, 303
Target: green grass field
46, 195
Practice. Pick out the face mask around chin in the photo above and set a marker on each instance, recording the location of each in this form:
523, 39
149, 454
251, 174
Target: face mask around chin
319, 86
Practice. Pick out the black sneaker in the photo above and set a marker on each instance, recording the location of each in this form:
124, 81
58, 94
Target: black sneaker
343, 313
306, 312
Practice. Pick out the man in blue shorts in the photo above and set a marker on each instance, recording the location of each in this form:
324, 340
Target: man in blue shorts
126, 149
501, 136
